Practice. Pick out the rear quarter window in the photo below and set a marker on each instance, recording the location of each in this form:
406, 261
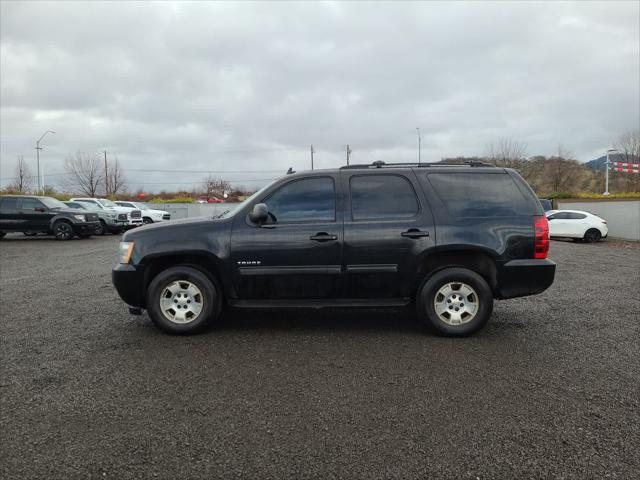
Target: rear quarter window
480, 194
9, 203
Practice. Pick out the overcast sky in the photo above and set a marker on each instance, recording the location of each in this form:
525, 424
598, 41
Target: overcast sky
247, 87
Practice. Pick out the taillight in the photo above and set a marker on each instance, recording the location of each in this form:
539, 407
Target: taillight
541, 242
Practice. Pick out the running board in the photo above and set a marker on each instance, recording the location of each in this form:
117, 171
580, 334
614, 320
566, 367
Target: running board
332, 303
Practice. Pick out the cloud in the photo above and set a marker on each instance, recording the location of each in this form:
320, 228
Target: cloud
249, 86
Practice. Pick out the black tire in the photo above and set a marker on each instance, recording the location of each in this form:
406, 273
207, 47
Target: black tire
102, 228
62, 230
592, 235
146, 221
211, 300
2, 234
426, 297
30, 234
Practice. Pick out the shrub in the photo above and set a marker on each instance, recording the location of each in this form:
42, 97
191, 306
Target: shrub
172, 200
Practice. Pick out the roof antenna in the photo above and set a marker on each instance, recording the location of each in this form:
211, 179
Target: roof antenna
290, 171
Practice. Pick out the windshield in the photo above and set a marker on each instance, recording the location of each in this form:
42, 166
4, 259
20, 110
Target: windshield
233, 210
52, 202
107, 203
138, 205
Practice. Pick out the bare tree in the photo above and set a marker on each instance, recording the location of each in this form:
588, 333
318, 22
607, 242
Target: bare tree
561, 171
507, 152
115, 182
215, 187
23, 179
85, 173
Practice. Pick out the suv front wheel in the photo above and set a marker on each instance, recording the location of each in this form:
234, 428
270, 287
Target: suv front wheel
455, 302
183, 300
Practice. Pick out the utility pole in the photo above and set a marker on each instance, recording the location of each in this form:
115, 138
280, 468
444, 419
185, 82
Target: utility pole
312, 152
106, 176
38, 148
606, 174
419, 146
348, 153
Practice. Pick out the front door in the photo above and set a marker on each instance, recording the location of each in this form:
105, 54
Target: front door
387, 227
34, 215
297, 253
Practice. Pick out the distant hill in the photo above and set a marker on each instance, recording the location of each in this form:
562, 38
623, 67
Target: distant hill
597, 164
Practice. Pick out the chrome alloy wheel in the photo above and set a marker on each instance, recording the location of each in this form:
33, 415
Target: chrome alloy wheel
456, 303
181, 302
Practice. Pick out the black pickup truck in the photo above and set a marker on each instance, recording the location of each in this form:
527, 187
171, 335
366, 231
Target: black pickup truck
448, 238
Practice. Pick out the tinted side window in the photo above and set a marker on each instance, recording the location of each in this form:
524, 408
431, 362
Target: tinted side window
9, 203
311, 199
30, 204
480, 194
382, 196
576, 216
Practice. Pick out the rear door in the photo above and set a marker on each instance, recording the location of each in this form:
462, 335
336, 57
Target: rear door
297, 255
34, 214
387, 227
9, 213
577, 224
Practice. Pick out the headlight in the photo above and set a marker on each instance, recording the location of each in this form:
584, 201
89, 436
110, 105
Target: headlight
82, 218
126, 249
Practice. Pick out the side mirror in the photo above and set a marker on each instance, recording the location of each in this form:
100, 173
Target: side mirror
259, 214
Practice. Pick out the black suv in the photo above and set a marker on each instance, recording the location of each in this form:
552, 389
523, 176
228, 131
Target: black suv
31, 215
449, 238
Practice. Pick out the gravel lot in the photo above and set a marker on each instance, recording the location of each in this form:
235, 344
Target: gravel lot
548, 390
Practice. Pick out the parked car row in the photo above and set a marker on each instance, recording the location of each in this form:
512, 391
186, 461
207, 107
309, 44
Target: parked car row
80, 217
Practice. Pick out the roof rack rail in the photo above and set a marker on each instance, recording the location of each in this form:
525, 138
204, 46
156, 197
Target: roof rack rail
381, 164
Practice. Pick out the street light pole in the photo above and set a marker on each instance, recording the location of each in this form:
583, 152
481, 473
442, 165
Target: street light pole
38, 148
606, 174
419, 146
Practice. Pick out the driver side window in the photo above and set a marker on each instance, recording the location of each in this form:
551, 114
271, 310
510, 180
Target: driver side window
306, 200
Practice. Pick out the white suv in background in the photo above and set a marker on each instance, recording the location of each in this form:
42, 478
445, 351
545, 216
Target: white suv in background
134, 216
149, 215
577, 225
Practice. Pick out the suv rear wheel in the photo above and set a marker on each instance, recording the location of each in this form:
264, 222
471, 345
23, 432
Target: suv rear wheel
455, 302
183, 300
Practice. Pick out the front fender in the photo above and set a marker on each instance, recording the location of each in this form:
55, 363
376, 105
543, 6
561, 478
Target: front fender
54, 219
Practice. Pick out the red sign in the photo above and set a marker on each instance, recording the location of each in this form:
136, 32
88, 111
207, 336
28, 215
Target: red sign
141, 196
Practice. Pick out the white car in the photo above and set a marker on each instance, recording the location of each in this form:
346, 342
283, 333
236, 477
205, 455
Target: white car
149, 215
577, 225
134, 216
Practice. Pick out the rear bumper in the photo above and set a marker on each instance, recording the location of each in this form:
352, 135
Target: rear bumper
519, 278
129, 283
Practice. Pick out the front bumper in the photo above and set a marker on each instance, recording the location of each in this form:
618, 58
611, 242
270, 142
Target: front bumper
134, 222
85, 227
519, 278
129, 283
